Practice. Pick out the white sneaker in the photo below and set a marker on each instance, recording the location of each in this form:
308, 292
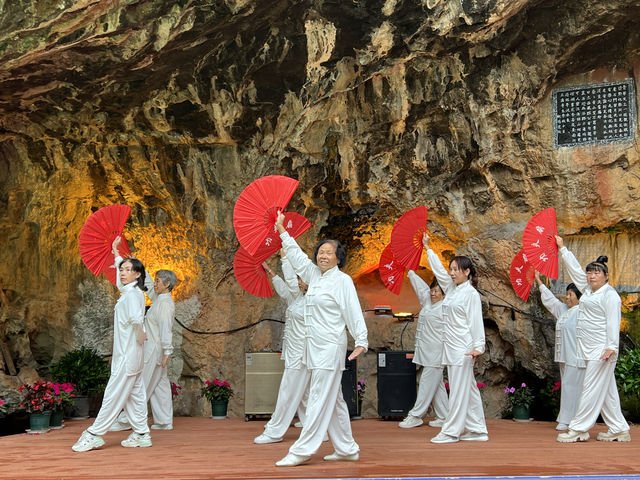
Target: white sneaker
438, 422
87, 441
298, 424
562, 427
162, 426
266, 439
572, 436
475, 437
444, 438
291, 460
119, 426
410, 422
613, 437
137, 440
334, 457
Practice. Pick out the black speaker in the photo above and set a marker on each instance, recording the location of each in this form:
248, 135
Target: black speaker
350, 385
396, 383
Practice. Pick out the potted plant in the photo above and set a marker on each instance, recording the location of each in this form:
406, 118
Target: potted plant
175, 389
87, 371
3, 407
39, 400
64, 398
520, 399
218, 393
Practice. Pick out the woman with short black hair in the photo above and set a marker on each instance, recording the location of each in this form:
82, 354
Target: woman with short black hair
598, 334
571, 367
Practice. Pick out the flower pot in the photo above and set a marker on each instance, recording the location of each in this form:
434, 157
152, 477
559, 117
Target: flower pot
55, 421
80, 408
219, 409
521, 412
39, 421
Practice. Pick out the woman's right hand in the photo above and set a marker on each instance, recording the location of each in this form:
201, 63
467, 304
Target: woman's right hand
116, 244
559, 241
425, 241
537, 277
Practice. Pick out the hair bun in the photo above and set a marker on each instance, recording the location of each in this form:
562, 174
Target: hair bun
602, 259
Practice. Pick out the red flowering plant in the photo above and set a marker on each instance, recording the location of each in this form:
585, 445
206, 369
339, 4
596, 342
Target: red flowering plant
64, 394
175, 389
3, 407
38, 397
217, 390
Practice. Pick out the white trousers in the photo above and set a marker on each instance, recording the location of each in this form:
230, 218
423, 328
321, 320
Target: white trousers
465, 404
122, 392
599, 396
571, 379
158, 391
326, 411
293, 386
431, 390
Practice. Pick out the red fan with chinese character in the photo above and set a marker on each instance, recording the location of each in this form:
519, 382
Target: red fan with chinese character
522, 274
109, 269
294, 223
97, 235
539, 242
250, 274
406, 237
391, 271
256, 209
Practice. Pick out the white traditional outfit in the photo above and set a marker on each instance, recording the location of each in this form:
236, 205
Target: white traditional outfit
598, 330
572, 368
428, 353
331, 306
463, 333
295, 378
125, 389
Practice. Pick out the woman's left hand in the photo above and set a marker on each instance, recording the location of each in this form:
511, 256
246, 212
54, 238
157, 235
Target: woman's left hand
140, 335
607, 354
280, 222
474, 353
356, 351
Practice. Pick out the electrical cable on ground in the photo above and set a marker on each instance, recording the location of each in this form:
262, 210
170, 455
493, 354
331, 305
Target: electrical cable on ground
233, 330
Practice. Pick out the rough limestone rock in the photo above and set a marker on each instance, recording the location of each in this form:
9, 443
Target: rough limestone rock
374, 106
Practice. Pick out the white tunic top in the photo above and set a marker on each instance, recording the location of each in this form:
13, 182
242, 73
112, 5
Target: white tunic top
461, 313
158, 324
566, 334
331, 307
293, 338
128, 312
599, 313
428, 349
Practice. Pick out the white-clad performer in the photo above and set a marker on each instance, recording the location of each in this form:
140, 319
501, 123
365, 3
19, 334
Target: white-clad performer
571, 367
125, 389
428, 354
331, 307
158, 324
463, 341
295, 378
598, 334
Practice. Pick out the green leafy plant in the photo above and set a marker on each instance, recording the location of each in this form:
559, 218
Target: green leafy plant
84, 368
628, 380
522, 396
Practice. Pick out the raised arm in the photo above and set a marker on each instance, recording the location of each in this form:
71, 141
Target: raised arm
421, 288
301, 263
577, 274
549, 300
444, 280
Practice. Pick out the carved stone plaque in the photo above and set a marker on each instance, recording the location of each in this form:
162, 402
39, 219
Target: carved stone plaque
594, 114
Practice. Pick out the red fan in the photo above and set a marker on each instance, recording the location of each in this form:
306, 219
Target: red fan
257, 207
406, 237
539, 243
109, 269
391, 271
250, 274
98, 233
522, 274
294, 223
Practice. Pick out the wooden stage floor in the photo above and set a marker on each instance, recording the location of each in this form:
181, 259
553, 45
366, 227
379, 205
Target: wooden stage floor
202, 448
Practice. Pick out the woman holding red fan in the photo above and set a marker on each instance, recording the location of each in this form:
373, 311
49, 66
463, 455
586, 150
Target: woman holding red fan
463, 341
598, 332
571, 367
331, 307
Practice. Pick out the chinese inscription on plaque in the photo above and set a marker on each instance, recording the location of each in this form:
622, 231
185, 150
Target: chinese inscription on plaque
594, 114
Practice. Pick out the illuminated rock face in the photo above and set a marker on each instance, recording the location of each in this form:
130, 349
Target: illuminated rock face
376, 107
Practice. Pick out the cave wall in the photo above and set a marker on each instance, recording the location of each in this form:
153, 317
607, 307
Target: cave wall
173, 107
